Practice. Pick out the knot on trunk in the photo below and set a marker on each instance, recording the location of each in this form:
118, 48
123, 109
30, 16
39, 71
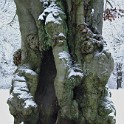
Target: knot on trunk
17, 57
89, 42
32, 41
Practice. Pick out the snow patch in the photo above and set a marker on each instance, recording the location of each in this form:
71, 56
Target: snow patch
64, 55
19, 78
61, 35
21, 91
51, 14
92, 12
73, 70
18, 85
28, 71
29, 103
74, 73
25, 69
51, 18
22, 123
45, 3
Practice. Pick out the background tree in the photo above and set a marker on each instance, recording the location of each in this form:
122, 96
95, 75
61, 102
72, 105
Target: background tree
119, 75
64, 66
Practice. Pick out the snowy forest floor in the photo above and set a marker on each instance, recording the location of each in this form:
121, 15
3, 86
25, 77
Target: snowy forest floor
117, 98
5, 117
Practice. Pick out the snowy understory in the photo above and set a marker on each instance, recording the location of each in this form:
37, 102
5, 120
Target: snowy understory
9, 41
113, 33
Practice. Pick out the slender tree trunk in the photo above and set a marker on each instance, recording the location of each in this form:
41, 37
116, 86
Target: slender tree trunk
64, 67
119, 75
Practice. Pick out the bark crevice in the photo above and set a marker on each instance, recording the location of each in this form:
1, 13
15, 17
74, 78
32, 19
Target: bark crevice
45, 94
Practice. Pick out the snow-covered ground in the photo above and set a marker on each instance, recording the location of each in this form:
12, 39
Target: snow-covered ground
5, 117
117, 98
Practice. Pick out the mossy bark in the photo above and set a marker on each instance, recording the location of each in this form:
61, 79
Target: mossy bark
68, 57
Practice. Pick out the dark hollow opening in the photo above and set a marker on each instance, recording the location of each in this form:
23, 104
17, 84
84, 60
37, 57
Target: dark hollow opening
45, 94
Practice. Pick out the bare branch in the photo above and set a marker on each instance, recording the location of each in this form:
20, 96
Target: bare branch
4, 3
107, 1
10, 23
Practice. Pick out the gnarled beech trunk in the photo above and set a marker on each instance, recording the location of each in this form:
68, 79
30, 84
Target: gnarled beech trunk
64, 66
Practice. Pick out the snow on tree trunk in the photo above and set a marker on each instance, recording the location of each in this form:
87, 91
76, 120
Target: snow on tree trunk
64, 66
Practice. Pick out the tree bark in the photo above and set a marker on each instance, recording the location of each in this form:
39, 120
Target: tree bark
64, 67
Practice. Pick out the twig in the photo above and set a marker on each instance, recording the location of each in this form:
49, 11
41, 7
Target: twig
10, 23
4, 4
107, 1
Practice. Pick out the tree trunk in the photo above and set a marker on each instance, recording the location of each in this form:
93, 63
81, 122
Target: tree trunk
119, 75
64, 67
